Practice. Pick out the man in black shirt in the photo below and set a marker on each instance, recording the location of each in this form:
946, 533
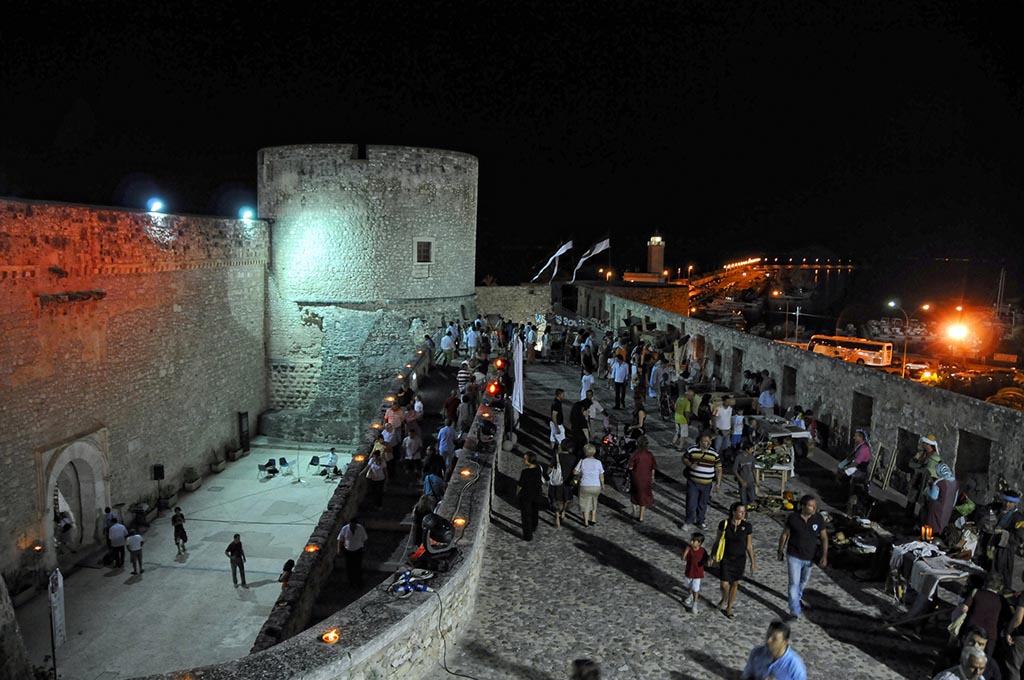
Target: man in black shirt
798, 544
557, 422
579, 425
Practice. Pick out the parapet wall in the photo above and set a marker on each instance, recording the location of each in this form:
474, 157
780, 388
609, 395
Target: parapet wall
382, 636
982, 442
129, 339
519, 304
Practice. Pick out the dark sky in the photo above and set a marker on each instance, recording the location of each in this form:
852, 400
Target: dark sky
731, 127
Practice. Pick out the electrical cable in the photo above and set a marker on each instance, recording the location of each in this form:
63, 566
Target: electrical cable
444, 641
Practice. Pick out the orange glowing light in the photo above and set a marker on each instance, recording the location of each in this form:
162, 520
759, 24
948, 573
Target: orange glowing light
419, 351
331, 636
408, 365
485, 414
465, 472
664, 273
499, 363
358, 458
926, 374
312, 548
776, 293
693, 309
926, 533
958, 331
400, 376
959, 308
389, 398
37, 547
492, 388
459, 521
926, 307
375, 426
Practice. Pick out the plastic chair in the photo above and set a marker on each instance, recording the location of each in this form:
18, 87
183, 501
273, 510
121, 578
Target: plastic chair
286, 468
268, 469
314, 461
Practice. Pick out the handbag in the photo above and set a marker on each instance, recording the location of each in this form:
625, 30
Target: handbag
719, 553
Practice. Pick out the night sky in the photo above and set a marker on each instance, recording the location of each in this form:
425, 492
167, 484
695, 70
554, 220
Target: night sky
861, 127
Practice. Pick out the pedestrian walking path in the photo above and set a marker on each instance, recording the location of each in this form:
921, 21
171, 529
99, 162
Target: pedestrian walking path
613, 592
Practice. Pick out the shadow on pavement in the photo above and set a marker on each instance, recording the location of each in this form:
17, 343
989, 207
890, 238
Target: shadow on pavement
515, 670
712, 665
609, 553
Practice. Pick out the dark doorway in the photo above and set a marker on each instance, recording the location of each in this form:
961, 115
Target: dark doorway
973, 458
861, 413
906, 447
788, 386
736, 378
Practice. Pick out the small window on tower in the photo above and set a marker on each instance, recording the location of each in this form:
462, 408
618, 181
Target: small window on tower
423, 250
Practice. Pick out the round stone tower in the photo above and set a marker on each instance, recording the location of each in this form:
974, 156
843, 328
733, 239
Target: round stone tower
371, 248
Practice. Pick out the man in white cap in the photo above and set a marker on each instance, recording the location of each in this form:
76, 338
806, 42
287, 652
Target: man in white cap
924, 469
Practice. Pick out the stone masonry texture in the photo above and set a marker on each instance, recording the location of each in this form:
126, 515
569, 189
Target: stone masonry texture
346, 293
147, 327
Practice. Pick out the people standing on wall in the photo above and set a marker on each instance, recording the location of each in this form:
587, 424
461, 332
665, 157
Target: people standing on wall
703, 469
236, 553
620, 376
447, 348
529, 494
351, 543
134, 544
180, 535
377, 473
117, 535
798, 545
738, 537
556, 424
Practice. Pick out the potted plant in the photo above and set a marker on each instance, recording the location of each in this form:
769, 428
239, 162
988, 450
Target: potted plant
192, 479
218, 464
143, 507
168, 496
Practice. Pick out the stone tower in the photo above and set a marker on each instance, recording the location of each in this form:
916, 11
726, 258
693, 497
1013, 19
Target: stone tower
656, 255
371, 248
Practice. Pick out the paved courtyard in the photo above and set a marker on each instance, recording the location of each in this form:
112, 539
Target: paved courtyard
183, 610
612, 592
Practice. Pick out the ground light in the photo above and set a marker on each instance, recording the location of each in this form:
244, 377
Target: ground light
155, 205
459, 521
331, 636
246, 213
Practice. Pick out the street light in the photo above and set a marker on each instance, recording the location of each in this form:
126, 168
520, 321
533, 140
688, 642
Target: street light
689, 270
906, 336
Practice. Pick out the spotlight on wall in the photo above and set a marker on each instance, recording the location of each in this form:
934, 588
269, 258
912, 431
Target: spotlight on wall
312, 548
155, 205
246, 213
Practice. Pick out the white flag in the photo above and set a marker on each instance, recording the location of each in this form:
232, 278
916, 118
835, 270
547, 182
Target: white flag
554, 258
517, 371
594, 250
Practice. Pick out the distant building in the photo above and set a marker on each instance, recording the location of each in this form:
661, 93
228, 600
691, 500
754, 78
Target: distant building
655, 255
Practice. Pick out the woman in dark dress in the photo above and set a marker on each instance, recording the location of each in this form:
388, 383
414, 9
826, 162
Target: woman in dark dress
529, 493
739, 545
641, 466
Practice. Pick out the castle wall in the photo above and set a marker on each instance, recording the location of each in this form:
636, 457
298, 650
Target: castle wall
347, 295
129, 339
981, 442
520, 303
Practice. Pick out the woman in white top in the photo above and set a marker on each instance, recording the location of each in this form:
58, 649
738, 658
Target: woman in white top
590, 474
723, 424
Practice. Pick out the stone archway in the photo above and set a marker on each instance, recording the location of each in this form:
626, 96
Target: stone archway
76, 474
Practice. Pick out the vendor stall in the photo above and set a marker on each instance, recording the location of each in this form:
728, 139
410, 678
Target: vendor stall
773, 457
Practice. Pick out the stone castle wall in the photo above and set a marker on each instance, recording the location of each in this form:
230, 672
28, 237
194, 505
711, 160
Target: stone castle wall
129, 339
981, 442
346, 296
519, 304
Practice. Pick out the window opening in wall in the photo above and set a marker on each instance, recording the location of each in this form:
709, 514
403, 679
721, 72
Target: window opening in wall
736, 376
463, 309
788, 385
360, 152
423, 250
973, 459
860, 414
718, 366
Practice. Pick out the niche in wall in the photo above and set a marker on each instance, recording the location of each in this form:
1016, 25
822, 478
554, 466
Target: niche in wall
736, 375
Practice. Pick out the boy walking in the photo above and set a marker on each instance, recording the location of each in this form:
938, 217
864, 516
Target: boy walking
694, 556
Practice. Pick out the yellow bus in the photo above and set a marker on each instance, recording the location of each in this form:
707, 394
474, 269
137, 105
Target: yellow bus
854, 350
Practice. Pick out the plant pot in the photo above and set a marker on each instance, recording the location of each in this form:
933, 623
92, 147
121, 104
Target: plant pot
193, 485
234, 455
218, 465
167, 503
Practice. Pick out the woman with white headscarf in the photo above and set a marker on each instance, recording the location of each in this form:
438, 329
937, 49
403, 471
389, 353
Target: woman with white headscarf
942, 495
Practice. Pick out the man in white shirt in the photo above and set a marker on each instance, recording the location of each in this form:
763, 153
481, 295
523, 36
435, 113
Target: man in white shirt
117, 535
586, 383
134, 543
351, 541
447, 348
620, 375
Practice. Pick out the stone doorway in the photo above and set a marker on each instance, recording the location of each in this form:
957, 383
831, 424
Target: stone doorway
74, 478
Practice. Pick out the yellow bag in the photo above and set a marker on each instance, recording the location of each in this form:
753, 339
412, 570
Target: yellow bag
720, 546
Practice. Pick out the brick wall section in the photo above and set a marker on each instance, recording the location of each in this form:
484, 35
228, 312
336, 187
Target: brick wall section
150, 326
828, 385
345, 298
517, 303
382, 636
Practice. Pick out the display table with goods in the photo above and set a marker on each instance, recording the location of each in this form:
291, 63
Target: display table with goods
772, 460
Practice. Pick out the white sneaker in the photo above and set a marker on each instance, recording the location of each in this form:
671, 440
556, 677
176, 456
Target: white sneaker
693, 609
688, 602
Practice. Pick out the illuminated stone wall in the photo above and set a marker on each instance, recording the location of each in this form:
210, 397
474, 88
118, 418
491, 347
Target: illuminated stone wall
346, 299
137, 336
519, 304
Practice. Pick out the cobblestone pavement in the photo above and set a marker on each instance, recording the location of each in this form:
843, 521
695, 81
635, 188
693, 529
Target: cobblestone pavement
613, 592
